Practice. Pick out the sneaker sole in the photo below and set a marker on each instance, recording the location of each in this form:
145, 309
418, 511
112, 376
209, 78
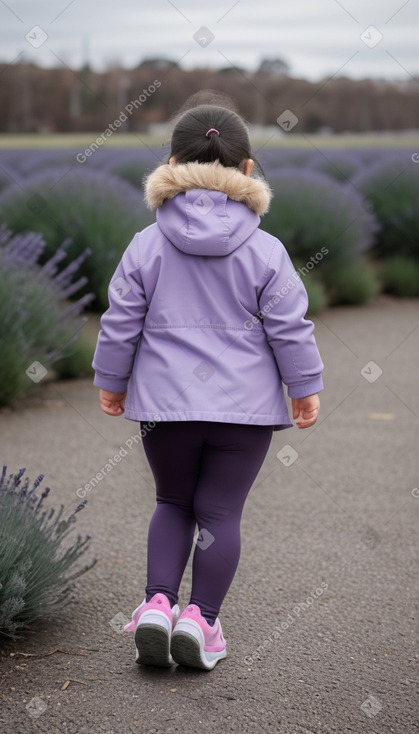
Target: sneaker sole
186, 650
153, 645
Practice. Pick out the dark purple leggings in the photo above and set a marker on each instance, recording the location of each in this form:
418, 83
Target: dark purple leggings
203, 473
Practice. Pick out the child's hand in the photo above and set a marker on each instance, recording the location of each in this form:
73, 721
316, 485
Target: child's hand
305, 410
112, 403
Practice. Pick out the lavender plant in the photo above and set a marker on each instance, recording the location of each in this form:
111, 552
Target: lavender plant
7, 177
392, 186
325, 226
273, 159
311, 211
132, 168
400, 276
97, 210
36, 323
338, 164
351, 283
35, 557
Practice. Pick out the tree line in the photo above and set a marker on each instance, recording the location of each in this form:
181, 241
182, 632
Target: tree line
35, 99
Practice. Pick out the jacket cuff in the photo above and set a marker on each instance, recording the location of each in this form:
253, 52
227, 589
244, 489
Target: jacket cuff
304, 389
113, 384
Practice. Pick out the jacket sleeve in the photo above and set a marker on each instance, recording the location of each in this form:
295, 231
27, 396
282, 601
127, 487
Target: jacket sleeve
283, 305
121, 325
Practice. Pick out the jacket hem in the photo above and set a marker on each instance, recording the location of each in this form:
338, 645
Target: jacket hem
277, 421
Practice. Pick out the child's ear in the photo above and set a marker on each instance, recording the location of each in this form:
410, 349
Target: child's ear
247, 167
172, 161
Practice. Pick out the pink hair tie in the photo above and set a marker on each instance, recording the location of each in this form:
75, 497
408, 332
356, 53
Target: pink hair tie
212, 130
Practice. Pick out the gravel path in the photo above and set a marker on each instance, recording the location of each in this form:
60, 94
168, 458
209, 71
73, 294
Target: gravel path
320, 620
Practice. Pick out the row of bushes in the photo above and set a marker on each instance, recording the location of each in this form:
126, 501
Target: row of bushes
99, 213
368, 221
369, 225
342, 201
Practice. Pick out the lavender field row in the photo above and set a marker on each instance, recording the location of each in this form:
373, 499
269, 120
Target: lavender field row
349, 219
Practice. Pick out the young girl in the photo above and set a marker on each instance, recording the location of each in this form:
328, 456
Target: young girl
206, 321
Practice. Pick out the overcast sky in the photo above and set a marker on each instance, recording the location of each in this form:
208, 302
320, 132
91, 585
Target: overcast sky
318, 38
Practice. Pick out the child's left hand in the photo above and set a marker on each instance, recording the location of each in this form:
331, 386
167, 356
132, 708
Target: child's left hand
112, 403
305, 410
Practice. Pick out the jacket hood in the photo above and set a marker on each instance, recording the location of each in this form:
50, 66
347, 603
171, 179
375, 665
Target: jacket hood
206, 208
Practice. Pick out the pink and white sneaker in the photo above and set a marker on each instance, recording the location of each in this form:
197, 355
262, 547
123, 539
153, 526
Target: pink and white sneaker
153, 623
195, 643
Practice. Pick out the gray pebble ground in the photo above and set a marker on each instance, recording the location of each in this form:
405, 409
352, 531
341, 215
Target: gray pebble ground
320, 620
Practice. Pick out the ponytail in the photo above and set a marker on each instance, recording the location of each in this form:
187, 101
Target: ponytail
209, 133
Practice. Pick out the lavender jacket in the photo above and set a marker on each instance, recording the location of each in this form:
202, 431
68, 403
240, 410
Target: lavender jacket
206, 316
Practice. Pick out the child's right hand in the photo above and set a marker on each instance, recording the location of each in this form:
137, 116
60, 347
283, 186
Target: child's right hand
305, 410
112, 403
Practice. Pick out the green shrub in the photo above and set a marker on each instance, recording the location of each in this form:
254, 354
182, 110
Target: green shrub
97, 210
35, 323
31, 329
392, 186
317, 296
310, 211
35, 557
13, 379
352, 284
76, 360
400, 276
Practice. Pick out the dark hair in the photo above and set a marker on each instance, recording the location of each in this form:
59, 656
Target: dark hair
190, 142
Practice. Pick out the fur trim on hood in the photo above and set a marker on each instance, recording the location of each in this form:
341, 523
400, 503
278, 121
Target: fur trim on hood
167, 181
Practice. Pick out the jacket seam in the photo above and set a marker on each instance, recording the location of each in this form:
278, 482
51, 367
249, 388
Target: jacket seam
220, 327
269, 261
